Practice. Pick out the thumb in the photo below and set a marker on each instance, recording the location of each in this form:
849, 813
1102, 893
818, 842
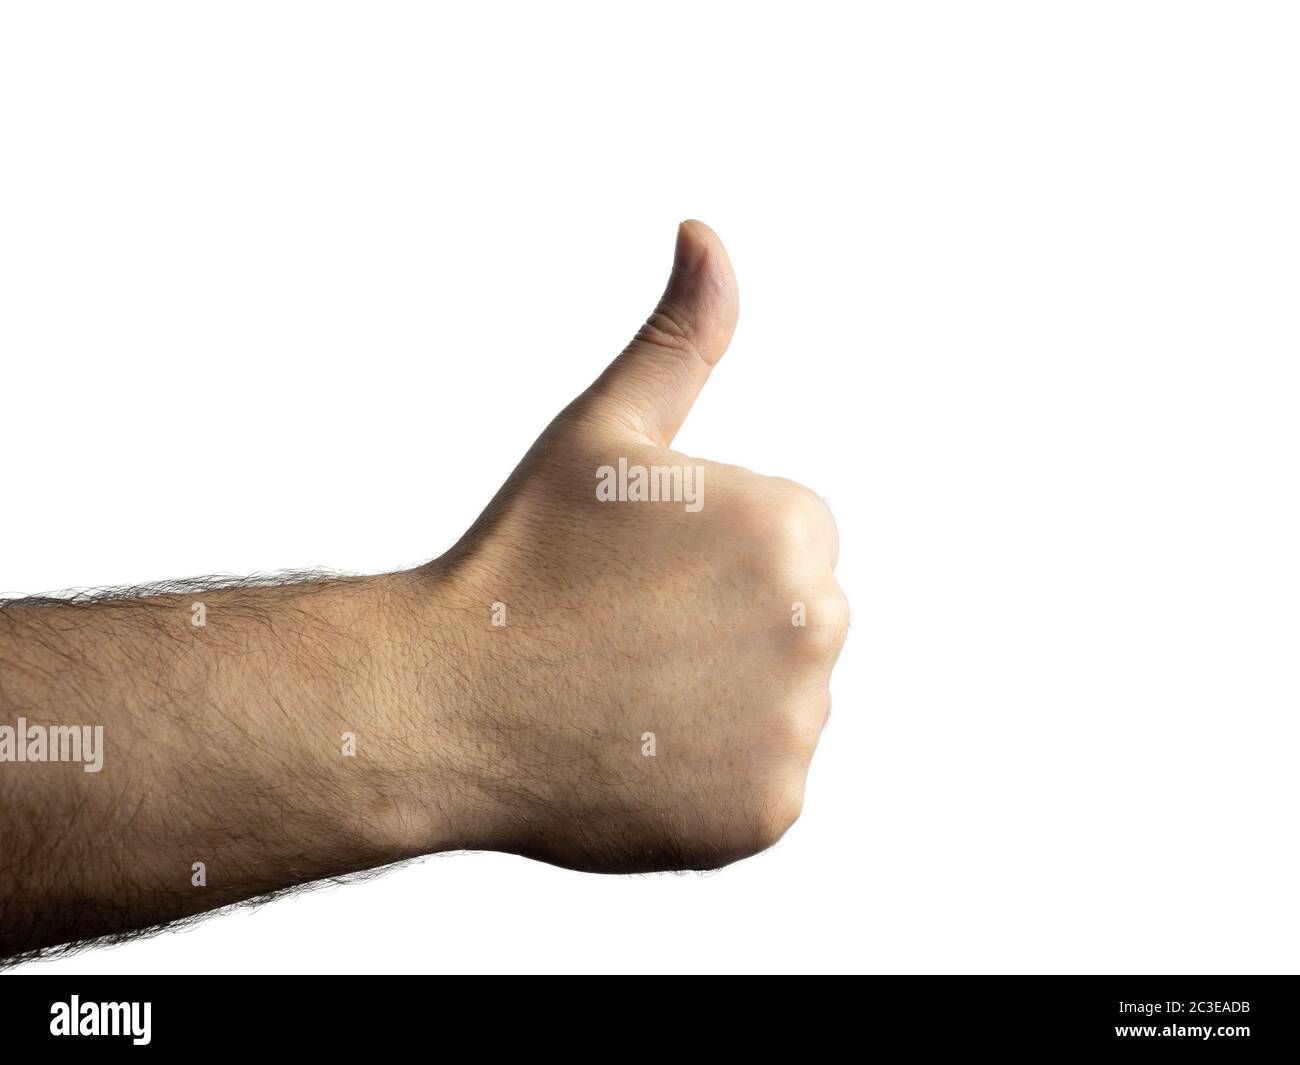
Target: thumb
653, 384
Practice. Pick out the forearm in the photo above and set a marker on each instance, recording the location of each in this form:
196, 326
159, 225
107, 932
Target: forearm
652, 702
226, 743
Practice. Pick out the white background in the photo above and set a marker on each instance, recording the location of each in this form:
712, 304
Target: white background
286, 285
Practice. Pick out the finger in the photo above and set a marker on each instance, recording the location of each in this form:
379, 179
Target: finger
654, 382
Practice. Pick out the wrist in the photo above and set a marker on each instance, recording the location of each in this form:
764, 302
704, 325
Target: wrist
436, 786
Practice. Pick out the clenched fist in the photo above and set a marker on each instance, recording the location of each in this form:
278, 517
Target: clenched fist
656, 681
621, 666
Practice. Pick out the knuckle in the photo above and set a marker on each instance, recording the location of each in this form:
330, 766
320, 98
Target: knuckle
803, 728
833, 616
799, 525
790, 530
789, 731
826, 624
671, 329
778, 811
816, 511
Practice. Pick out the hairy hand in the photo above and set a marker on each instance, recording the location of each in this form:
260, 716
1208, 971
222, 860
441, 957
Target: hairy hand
646, 657
622, 666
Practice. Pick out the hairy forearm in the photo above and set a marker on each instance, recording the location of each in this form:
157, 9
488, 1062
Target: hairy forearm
650, 697
228, 743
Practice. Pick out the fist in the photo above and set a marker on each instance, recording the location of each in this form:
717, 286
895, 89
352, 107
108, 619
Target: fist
647, 673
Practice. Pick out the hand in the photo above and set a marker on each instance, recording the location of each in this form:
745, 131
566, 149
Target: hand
648, 698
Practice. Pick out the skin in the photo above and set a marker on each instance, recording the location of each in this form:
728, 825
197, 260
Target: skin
223, 741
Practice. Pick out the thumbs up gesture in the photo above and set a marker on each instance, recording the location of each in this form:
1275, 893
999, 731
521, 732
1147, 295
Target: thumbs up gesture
644, 640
